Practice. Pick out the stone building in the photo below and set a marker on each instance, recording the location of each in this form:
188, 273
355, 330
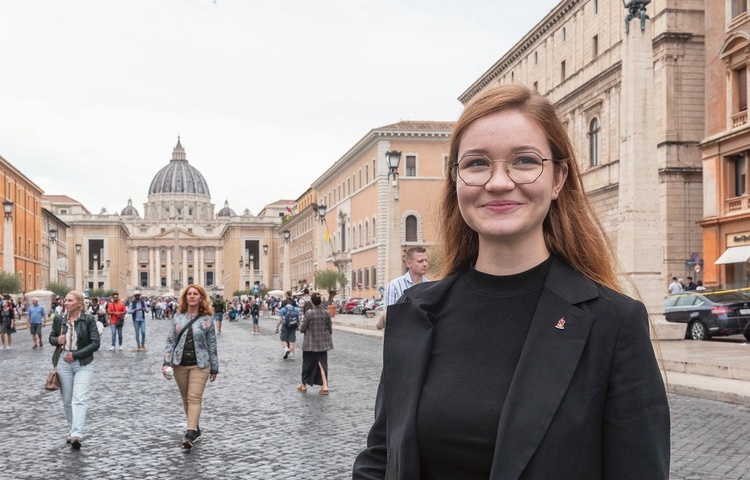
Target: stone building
179, 239
726, 146
22, 248
372, 217
632, 102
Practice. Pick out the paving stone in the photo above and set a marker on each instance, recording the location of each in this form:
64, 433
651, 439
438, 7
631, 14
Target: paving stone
255, 424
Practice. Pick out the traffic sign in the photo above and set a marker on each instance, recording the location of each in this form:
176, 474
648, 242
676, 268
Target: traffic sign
697, 268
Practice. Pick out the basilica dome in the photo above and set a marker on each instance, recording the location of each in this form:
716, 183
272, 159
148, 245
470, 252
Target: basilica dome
130, 210
226, 211
179, 176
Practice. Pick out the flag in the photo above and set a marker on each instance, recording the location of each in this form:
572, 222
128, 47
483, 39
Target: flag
325, 233
288, 209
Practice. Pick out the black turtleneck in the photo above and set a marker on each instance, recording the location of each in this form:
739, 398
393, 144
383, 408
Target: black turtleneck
477, 341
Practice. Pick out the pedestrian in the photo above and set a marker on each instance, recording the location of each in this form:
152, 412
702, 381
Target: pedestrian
191, 353
286, 327
675, 286
116, 310
317, 328
137, 309
416, 268
526, 360
255, 313
76, 334
699, 286
219, 306
37, 320
7, 323
690, 284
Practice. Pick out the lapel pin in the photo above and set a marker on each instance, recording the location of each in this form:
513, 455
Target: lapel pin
560, 324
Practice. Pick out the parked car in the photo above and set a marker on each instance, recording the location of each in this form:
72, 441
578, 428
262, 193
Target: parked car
710, 314
351, 304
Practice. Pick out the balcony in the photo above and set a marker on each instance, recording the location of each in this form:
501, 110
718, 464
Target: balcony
341, 258
737, 205
739, 119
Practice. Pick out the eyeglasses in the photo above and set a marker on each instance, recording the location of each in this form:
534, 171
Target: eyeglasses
475, 170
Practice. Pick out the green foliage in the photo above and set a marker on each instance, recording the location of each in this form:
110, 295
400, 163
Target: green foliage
100, 293
59, 289
9, 283
330, 280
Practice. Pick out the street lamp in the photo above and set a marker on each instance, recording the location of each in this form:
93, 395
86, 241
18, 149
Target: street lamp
53, 255
9, 259
265, 249
322, 212
287, 235
96, 270
8, 208
78, 248
287, 278
394, 159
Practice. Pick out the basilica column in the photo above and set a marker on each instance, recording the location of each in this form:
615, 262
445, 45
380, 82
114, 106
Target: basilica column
135, 268
169, 268
184, 267
199, 254
154, 255
218, 268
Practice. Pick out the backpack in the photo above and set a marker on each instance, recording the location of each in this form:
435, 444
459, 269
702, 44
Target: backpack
291, 318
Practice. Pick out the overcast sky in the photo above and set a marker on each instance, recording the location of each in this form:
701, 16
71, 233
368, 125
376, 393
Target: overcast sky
266, 95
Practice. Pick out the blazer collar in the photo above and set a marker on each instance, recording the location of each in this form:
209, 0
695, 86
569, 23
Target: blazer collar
523, 423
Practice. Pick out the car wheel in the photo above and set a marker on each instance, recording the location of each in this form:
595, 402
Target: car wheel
698, 330
747, 335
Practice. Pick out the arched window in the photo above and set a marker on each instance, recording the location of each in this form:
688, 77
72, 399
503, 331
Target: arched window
374, 231
411, 228
190, 257
594, 142
144, 254
163, 255
367, 231
361, 239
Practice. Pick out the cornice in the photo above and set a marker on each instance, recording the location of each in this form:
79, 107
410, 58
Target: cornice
526, 43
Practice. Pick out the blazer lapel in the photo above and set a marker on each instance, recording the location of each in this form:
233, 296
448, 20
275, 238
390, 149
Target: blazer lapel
556, 338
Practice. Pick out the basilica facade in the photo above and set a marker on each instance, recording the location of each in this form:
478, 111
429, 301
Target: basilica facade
179, 240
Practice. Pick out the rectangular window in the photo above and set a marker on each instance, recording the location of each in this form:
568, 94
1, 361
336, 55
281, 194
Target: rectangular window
740, 79
367, 174
595, 46
367, 278
374, 277
411, 165
596, 7
562, 70
536, 86
738, 7
536, 58
144, 279
740, 175
360, 179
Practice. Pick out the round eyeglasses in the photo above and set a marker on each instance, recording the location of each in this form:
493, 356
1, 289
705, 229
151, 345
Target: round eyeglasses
475, 170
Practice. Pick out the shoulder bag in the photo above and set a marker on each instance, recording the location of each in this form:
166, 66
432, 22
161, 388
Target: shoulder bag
52, 382
179, 335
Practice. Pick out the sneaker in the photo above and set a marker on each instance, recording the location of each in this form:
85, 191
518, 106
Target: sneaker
286, 353
67, 440
187, 442
143, 348
112, 348
34, 347
75, 442
197, 436
291, 355
40, 344
137, 349
120, 347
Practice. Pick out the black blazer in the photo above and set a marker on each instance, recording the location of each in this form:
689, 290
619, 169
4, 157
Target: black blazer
585, 402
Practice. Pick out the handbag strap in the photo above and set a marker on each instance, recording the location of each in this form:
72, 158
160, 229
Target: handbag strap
179, 335
56, 355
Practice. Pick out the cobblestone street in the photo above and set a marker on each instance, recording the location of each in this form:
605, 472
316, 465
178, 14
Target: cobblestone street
255, 424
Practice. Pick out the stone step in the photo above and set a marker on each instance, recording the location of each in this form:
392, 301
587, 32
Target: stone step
709, 387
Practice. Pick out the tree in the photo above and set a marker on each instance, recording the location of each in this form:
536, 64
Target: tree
59, 289
9, 283
100, 293
330, 280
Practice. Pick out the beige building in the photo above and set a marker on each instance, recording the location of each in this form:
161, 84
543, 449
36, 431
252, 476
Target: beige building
370, 217
633, 105
178, 241
302, 226
726, 146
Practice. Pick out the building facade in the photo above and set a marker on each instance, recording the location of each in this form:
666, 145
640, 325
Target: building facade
22, 249
371, 216
179, 240
726, 146
632, 102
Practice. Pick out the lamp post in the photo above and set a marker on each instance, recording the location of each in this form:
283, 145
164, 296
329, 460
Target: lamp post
53, 255
393, 231
108, 284
96, 271
252, 271
79, 268
322, 209
9, 255
287, 282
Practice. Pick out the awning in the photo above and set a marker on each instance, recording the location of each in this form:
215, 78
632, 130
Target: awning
734, 255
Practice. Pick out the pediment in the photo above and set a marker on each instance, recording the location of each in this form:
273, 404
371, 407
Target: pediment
169, 233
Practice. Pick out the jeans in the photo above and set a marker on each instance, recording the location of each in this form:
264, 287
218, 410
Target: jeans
140, 326
116, 331
192, 382
74, 389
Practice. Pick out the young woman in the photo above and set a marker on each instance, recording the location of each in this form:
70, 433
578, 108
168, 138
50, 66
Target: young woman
526, 361
7, 323
317, 328
77, 335
192, 354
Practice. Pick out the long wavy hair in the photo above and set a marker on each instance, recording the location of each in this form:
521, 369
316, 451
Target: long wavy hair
204, 308
572, 229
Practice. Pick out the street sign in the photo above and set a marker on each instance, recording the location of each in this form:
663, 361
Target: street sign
359, 284
697, 268
381, 290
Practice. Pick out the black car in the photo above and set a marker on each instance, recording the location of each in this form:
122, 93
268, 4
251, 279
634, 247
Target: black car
710, 314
